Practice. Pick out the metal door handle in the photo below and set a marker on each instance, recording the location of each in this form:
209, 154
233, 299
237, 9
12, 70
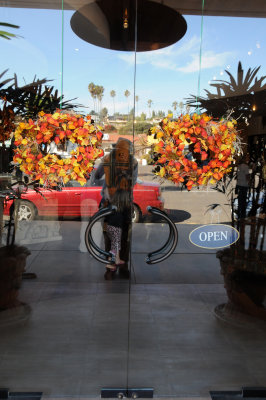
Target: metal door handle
98, 253
171, 241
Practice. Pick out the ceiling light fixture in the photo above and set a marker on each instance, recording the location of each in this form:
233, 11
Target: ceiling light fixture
125, 20
111, 24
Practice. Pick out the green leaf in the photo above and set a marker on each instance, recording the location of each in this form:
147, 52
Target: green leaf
8, 25
5, 35
8, 35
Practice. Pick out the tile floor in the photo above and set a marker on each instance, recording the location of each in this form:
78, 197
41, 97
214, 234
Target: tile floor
159, 330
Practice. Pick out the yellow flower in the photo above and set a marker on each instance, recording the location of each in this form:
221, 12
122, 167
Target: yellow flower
56, 115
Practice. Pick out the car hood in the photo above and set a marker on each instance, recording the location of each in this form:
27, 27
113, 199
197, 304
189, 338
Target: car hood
147, 183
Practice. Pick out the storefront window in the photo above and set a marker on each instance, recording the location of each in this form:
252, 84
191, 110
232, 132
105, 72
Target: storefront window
185, 92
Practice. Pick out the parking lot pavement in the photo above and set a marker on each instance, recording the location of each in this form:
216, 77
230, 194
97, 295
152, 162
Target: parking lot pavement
192, 207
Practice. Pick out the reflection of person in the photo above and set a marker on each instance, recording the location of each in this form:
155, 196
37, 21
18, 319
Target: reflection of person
113, 165
115, 223
242, 185
120, 169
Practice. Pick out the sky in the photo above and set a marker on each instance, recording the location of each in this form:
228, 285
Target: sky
164, 76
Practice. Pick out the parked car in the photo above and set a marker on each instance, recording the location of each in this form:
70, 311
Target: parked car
75, 200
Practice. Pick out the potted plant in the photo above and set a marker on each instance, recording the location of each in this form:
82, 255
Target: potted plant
243, 265
12, 265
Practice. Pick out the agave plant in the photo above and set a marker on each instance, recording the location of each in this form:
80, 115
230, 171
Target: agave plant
241, 85
239, 94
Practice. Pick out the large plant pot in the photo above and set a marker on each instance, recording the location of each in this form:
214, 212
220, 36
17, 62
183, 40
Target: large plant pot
12, 266
244, 272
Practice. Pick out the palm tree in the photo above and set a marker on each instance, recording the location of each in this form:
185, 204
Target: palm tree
99, 95
92, 90
149, 105
127, 94
137, 100
113, 94
181, 106
174, 105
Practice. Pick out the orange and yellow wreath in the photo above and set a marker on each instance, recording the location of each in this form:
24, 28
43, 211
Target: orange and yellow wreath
36, 142
194, 150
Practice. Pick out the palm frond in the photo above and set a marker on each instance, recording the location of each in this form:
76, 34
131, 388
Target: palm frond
8, 25
8, 35
3, 83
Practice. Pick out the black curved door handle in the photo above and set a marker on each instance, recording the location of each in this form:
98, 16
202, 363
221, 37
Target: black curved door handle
171, 242
98, 253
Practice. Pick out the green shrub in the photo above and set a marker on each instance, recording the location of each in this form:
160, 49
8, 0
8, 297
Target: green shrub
139, 127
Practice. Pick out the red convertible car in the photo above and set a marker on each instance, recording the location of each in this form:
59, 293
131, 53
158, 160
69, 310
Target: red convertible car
81, 201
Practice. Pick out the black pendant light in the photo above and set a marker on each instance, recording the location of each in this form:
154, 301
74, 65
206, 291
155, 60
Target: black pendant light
112, 24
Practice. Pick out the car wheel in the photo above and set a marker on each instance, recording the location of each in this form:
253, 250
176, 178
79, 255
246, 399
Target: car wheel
136, 214
26, 211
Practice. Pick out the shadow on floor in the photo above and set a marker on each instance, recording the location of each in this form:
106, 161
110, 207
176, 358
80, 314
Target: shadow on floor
175, 215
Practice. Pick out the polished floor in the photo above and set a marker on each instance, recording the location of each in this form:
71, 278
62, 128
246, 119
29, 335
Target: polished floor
157, 330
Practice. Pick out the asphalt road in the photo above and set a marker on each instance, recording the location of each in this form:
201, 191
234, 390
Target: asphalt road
192, 207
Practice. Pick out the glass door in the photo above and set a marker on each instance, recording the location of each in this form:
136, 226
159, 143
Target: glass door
197, 317
65, 103
132, 116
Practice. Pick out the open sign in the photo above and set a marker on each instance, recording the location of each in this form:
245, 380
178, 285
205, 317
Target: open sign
214, 236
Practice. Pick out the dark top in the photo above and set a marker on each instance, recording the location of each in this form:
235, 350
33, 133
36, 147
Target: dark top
119, 219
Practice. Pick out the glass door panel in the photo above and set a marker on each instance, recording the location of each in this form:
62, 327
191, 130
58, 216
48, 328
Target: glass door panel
65, 332
192, 323
195, 319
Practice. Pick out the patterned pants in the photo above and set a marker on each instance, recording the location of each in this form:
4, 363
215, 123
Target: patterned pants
114, 233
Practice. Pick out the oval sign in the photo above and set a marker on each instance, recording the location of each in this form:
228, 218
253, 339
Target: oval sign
214, 236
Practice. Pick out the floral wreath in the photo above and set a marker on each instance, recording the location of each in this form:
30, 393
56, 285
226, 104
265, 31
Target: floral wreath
194, 150
38, 145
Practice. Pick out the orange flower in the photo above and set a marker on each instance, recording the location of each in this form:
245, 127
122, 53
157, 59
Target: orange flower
36, 161
212, 142
204, 155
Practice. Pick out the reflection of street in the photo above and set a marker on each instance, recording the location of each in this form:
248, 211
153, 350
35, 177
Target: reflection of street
68, 258
190, 207
30, 232
182, 206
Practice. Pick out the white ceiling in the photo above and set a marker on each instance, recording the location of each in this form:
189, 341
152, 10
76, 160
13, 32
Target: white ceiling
235, 8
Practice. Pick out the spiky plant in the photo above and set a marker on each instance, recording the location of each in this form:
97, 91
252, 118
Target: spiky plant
239, 94
28, 100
